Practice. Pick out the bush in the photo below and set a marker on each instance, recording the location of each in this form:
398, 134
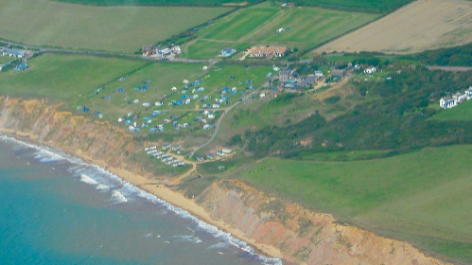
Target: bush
332, 100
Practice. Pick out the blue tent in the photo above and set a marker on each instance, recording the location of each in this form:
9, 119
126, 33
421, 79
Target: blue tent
154, 115
178, 102
121, 90
137, 88
145, 87
86, 109
107, 97
128, 122
226, 89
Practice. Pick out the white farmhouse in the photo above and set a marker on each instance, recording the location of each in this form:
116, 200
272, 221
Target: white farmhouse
370, 70
447, 103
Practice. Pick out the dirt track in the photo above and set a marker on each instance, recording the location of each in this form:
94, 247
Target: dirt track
421, 25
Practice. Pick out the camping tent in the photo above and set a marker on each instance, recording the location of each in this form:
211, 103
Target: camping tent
121, 90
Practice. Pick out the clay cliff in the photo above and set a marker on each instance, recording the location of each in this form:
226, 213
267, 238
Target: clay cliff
303, 237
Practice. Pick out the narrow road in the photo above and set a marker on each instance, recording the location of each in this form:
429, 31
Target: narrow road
226, 111
96, 53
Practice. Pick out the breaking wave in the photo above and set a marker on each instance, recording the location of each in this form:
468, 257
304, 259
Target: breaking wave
122, 191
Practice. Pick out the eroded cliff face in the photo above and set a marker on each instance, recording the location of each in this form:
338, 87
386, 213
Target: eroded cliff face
304, 237
98, 141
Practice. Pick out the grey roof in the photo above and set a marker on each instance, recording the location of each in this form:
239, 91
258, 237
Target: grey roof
15, 52
338, 72
308, 80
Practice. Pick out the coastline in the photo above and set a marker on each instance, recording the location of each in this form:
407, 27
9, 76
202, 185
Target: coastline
162, 192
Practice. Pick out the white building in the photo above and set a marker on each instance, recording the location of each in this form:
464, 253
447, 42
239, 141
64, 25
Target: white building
468, 93
370, 70
447, 103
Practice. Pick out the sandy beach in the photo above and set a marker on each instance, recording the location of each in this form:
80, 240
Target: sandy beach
162, 192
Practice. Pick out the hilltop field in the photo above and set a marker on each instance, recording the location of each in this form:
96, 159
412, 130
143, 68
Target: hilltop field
112, 29
305, 28
395, 33
423, 196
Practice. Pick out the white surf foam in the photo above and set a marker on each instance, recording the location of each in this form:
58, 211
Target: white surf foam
103, 187
98, 176
117, 197
88, 180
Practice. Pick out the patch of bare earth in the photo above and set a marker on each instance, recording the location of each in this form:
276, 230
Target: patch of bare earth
421, 25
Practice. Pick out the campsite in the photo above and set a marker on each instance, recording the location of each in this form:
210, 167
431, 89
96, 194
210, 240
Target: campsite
330, 108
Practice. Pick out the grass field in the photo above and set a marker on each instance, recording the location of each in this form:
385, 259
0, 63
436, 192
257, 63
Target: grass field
63, 77
162, 2
362, 5
423, 196
115, 29
463, 112
306, 28
237, 25
311, 26
203, 49
4, 59
393, 33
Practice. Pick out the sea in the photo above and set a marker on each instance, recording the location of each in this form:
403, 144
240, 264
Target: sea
56, 209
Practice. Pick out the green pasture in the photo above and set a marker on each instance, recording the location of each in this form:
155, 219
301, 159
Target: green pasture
462, 112
115, 29
161, 2
236, 25
379, 6
305, 28
423, 196
204, 49
220, 75
63, 77
309, 26
6, 59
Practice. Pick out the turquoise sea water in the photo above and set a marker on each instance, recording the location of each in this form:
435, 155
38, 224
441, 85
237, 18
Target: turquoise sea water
59, 210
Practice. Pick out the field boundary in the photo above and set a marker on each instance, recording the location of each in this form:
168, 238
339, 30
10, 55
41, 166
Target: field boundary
342, 35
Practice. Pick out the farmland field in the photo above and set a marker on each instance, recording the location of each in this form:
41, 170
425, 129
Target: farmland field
408, 196
115, 29
361, 5
5, 59
162, 2
311, 26
305, 28
63, 77
203, 49
463, 112
235, 26
452, 26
